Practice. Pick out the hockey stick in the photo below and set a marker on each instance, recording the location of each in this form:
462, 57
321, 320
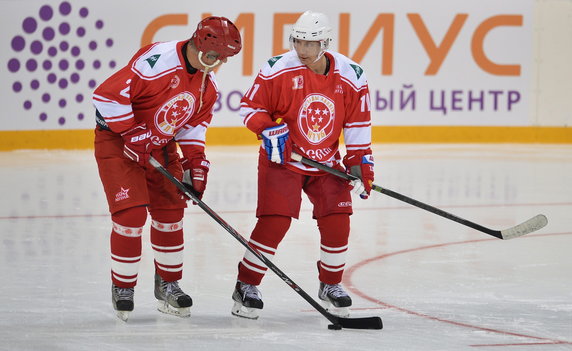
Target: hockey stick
535, 223
337, 322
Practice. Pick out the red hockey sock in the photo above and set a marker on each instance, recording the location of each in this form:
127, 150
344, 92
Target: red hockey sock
168, 243
334, 234
267, 234
126, 245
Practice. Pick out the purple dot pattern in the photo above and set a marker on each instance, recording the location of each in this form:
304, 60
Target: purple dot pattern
52, 51
59, 43
65, 8
63, 64
31, 65
17, 87
48, 33
64, 28
46, 12
36, 47
29, 25
13, 65
18, 43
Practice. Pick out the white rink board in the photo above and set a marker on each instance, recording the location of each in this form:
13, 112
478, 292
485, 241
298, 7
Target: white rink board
46, 88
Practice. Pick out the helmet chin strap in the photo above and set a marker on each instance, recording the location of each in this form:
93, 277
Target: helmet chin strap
324, 44
208, 67
319, 56
206, 71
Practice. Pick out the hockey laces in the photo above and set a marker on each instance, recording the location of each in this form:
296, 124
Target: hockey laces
250, 291
124, 293
335, 290
173, 289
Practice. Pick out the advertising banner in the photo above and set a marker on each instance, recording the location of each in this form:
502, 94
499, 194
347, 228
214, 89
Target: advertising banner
428, 63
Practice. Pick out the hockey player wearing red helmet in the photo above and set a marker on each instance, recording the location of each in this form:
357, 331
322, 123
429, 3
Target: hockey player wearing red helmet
303, 100
163, 97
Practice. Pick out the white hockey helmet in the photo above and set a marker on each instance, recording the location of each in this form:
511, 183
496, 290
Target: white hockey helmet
313, 26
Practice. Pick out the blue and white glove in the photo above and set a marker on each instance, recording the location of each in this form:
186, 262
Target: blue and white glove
276, 143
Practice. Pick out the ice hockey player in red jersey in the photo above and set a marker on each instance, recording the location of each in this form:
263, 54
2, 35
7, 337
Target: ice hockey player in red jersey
163, 96
302, 101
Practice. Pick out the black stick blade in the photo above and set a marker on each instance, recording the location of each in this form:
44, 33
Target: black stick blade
361, 323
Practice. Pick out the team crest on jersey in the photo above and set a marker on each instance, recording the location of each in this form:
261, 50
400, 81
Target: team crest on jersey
316, 118
174, 113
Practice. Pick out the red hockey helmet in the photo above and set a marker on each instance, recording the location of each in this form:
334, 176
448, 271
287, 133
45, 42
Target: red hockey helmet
217, 34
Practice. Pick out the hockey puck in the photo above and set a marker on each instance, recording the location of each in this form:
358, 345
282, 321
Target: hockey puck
334, 326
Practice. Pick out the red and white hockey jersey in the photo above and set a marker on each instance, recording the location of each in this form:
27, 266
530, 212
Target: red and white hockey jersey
155, 88
316, 107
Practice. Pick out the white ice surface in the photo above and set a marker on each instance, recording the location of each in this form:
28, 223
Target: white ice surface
436, 284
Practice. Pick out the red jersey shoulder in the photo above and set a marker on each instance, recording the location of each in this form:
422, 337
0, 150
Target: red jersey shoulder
158, 60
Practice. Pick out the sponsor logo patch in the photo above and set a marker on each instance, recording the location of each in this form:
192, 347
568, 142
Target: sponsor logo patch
123, 194
153, 60
297, 82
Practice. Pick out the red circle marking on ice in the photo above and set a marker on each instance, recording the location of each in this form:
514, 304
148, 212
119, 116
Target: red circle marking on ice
351, 287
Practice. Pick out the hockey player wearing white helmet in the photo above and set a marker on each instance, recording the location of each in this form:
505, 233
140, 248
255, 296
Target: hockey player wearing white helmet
302, 101
311, 32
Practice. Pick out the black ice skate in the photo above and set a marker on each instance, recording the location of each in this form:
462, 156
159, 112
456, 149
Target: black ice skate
334, 295
122, 299
171, 299
247, 301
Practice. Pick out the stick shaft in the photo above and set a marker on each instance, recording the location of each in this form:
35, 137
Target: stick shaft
356, 323
401, 197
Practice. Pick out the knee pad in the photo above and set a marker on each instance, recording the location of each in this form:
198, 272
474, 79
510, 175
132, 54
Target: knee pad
131, 217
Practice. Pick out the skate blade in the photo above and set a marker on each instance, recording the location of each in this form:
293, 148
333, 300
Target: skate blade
245, 312
183, 312
123, 315
336, 311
